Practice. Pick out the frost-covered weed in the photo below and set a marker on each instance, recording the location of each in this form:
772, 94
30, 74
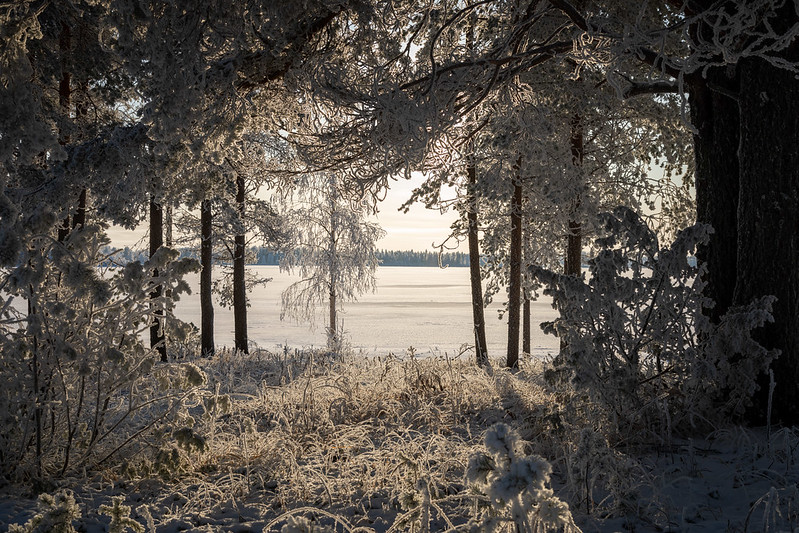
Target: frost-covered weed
778, 510
517, 486
636, 339
300, 524
603, 480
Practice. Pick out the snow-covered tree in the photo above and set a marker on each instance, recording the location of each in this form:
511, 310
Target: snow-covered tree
332, 248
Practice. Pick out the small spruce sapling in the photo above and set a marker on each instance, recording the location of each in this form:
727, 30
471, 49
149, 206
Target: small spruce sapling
56, 514
516, 486
120, 517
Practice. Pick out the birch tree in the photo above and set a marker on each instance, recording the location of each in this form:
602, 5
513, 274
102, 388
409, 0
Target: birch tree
332, 248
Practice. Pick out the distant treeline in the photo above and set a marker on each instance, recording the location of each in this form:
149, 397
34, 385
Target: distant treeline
386, 258
264, 256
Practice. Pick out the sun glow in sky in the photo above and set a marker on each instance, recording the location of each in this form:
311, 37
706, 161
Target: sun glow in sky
418, 229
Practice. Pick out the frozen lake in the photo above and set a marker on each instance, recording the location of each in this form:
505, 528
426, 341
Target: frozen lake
427, 308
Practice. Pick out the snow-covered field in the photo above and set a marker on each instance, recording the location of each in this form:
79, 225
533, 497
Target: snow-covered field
427, 308
381, 444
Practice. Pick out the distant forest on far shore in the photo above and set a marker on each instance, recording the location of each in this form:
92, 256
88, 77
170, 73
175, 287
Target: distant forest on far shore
264, 256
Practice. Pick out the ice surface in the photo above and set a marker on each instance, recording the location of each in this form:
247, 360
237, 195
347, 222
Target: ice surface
425, 307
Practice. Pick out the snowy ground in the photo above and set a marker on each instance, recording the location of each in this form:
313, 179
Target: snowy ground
358, 443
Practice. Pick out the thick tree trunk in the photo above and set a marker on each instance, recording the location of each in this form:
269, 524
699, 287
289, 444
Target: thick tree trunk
716, 118
515, 281
157, 339
478, 316
239, 284
207, 344
768, 221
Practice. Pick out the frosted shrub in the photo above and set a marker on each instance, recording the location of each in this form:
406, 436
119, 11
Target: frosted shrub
76, 383
516, 486
55, 515
636, 339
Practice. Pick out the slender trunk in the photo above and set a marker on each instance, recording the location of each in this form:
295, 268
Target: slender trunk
515, 281
37, 413
526, 324
168, 241
768, 221
475, 279
206, 301
572, 261
157, 339
239, 287
574, 239
64, 95
79, 218
81, 109
478, 316
169, 315
574, 249
333, 334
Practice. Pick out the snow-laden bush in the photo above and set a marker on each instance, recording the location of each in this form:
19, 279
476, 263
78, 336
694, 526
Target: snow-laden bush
517, 487
635, 337
77, 385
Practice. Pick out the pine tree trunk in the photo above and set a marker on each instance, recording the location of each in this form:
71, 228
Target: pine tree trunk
79, 219
239, 285
81, 109
64, 96
716, 119
573, 259
478, 316
157, 339
515, 281
572, 262
768, 221
526, 325
207, 344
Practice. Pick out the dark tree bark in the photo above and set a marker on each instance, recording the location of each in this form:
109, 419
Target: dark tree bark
572, 262
746, 183
715, 115
64, 96
478, 316
239, 286
515, 281
526, 325
768, 221
79, 218
157, 338
206, 301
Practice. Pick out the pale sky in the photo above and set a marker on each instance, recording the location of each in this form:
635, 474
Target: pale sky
416, 230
